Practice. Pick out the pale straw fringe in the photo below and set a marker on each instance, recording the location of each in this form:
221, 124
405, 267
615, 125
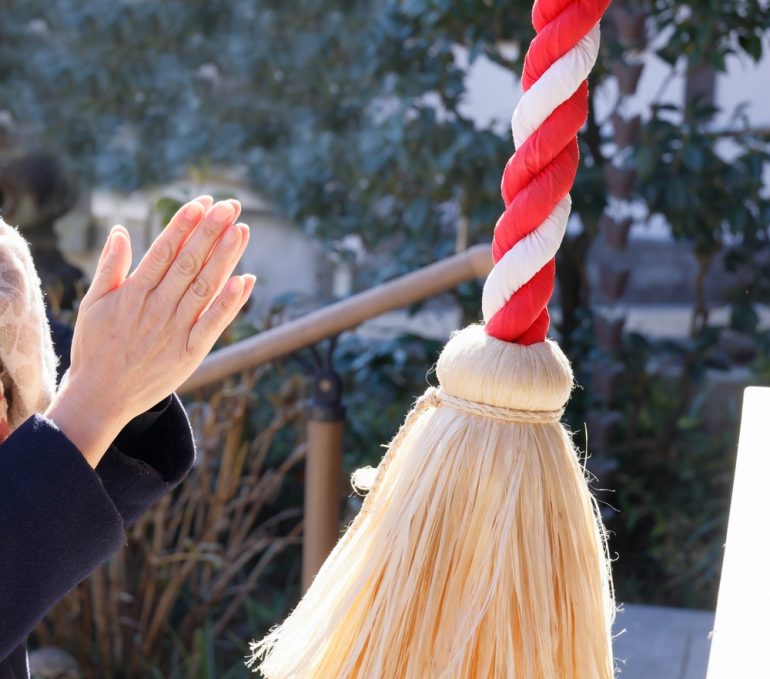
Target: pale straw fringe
478, 553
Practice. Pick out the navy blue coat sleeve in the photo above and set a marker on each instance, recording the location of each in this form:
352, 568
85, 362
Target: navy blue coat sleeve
150, 456
57, 524
59, 520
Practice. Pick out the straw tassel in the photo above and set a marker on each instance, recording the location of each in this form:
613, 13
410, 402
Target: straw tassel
478, 551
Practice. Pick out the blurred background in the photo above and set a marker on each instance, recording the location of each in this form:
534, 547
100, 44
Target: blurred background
366, 140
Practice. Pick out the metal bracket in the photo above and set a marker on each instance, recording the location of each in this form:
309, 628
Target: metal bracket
326, 398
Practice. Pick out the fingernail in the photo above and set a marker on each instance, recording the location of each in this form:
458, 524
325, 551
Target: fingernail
235, 287
223, 212
192, 211
230, 237
244, 231
112, 239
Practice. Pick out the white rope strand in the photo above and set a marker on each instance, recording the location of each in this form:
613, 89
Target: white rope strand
554, 87
524, 260
534, 251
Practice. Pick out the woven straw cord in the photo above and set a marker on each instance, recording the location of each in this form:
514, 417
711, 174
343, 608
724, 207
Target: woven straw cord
436, 397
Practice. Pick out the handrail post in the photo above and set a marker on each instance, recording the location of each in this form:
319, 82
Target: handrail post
323, 469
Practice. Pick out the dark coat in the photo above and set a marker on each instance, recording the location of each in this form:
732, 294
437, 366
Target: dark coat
60, 519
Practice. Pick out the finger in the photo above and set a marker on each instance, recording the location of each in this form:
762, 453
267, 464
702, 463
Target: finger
212, 277
205, 200
158, 259
244, 232
106, 249
221, 313
112, 268
236, 206
250, 281
190, 259
245, 235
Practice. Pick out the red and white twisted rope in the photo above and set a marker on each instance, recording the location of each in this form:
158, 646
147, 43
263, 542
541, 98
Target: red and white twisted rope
538, 177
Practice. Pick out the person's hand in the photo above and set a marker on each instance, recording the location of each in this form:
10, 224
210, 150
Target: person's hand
139, 336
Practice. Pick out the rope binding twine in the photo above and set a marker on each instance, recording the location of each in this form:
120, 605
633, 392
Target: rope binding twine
436, 396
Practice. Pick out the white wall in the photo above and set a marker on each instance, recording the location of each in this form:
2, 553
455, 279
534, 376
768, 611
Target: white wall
280, 254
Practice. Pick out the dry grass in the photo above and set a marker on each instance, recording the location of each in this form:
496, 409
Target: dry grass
194, 560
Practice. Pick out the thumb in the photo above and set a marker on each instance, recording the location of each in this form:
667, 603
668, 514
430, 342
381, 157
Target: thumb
113, 267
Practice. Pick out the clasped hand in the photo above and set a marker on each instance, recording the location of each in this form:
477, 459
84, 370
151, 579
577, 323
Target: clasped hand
139, 336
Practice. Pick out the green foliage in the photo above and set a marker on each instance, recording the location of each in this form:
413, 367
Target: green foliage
382, 380
332, 113
346, 115
708, 31
674, 463
706, 198
674, 475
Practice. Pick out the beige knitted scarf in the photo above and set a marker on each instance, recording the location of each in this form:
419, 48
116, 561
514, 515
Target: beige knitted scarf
27, 359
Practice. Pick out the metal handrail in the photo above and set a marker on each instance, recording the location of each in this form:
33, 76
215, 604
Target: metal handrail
323, 463
329, 321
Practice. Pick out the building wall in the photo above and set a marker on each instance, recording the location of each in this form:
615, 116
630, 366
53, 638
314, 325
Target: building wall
283, 258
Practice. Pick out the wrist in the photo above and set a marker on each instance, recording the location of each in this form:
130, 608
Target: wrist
86, 421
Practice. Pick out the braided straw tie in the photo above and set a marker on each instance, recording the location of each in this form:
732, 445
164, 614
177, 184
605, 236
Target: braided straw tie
435, 397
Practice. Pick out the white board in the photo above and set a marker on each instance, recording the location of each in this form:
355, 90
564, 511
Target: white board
740, 647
